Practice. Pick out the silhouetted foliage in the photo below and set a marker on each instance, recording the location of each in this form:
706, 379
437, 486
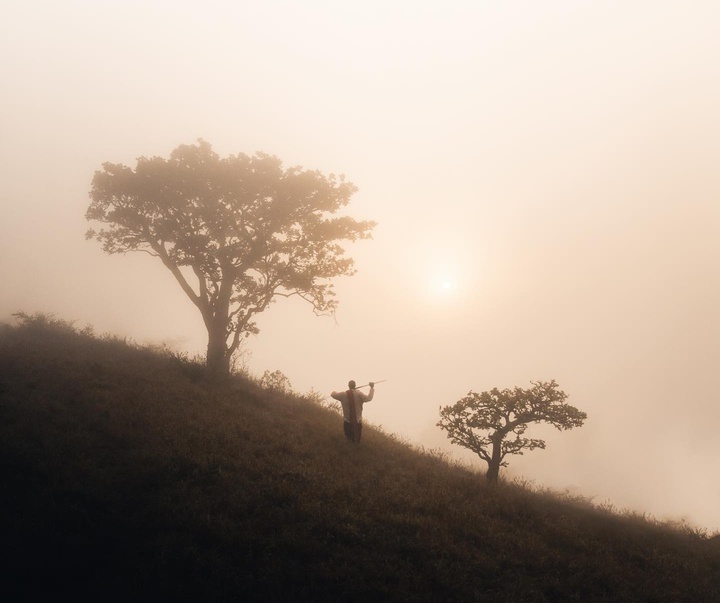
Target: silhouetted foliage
501, 413
235, 232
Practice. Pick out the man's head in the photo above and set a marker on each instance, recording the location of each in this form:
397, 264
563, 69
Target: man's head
351, 384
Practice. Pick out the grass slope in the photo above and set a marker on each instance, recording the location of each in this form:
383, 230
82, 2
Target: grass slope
126, 476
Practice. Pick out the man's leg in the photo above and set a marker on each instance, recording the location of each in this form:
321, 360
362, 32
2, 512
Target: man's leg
348, 428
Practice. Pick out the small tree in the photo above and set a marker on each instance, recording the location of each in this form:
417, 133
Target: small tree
276, 381
501, 413
235, 232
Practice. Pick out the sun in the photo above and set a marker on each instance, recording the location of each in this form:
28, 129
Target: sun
442, 285
439, 273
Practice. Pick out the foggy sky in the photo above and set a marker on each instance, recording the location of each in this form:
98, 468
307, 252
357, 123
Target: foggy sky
544, 177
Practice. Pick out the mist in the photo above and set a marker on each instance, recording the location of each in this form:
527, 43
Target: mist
544, 178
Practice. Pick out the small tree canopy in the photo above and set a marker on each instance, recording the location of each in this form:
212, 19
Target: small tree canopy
484, 422
235, 232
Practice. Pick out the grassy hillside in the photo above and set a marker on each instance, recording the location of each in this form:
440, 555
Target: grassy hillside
126, 476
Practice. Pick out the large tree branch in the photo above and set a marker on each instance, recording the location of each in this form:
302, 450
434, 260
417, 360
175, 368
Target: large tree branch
202, 284
200, 302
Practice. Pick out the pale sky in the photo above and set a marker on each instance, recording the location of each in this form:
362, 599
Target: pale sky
544, 176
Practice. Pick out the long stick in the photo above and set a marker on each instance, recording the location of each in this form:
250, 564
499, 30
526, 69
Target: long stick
375, 382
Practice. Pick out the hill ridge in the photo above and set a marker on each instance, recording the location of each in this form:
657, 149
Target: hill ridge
130, 476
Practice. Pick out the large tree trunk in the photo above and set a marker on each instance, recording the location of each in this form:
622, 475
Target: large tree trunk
216, 321
493, 471
218, 361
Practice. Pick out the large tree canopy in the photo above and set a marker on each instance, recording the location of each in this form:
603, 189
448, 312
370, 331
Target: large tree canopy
235, 232
483, 422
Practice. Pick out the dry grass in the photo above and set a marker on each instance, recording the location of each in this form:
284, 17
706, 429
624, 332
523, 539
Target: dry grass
128, 476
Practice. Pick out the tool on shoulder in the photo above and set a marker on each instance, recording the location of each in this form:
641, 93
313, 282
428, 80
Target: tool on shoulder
373, 382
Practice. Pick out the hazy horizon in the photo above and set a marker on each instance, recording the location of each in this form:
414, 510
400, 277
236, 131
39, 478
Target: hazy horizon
544, 178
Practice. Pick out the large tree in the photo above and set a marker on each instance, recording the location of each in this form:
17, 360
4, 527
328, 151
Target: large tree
483, 422
235, 232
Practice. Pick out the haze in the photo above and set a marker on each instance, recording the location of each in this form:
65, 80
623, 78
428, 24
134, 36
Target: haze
544, 175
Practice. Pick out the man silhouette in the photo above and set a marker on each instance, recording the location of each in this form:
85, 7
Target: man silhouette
352, 402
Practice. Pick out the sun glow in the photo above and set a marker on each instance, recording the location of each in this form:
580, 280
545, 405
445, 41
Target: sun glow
439, 272
442, 283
